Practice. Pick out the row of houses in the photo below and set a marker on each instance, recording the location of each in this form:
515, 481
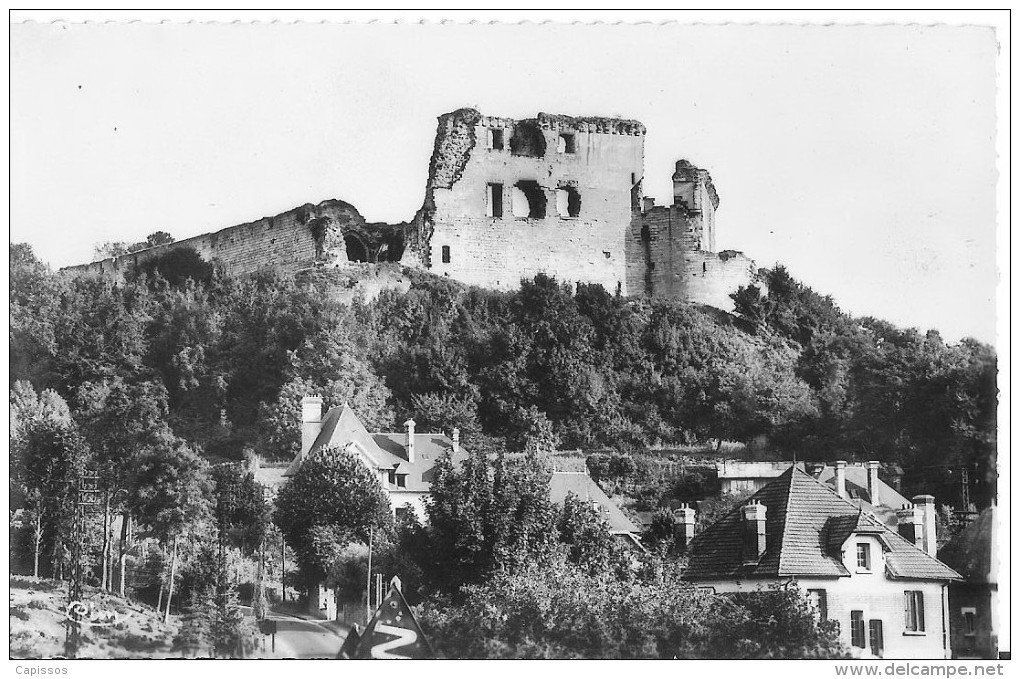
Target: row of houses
864, 554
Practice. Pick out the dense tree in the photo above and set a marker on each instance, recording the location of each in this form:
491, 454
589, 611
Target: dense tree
118, 420
560, 611
49, 458
486, 516
332, 501
175, 267
586, 535
241, 510
170, 492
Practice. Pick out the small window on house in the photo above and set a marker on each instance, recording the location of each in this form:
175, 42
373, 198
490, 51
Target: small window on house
875, 640
446, 254
857, 628
402, 512
568, 201
494, 200
969, 621
704, 267
529, 200
863, 557
391, 477
818, 600
401, 480
913, 610
496, 139
565, 144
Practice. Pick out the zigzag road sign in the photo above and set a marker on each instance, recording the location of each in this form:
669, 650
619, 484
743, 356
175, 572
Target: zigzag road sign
393, 633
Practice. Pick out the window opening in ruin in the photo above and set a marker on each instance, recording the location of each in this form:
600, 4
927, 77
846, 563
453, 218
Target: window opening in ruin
529, 200
704, 267
356, 250
392, 249
527, 140
568, 201
496, 139
494, 200
566, 144
446, 254
646, 233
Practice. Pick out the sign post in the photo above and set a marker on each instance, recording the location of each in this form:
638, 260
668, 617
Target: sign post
393, 633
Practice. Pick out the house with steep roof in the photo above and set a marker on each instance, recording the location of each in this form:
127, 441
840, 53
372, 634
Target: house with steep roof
585, 489
403, 462
885, 588
974, 603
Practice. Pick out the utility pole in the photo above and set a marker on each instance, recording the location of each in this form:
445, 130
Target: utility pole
85, 492
283, 568
368, 584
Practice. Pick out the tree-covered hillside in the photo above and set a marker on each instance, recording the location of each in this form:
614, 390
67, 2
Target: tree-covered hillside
224, 362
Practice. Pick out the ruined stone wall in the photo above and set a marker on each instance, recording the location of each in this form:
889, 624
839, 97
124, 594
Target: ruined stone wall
497, 251
597, 226
291, 241
667, 258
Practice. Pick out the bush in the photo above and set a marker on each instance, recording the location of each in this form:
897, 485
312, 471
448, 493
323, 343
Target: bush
559, 611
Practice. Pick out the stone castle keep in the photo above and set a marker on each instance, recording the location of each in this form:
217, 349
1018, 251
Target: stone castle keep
507, 199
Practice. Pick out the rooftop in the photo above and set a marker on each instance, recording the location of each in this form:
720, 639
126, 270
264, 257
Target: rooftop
806, 525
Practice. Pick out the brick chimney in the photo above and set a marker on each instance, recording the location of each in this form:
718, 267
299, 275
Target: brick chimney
910, 522
841, 478
409, 441
873, 493
926, 503
311, 422
684, 517
456, 440
754, 531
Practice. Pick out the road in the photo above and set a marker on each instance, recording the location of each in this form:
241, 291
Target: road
297, 638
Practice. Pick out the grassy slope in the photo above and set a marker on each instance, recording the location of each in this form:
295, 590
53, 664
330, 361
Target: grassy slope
140, 634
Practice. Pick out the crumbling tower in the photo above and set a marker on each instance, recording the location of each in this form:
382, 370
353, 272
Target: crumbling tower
507, 199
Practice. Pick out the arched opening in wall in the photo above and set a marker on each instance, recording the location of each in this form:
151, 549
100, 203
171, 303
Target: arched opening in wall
392, 249
356, 250
527, 140
565, 143
528, 199
568, 201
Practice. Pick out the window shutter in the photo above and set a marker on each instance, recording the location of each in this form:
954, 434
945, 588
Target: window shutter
920, 611
906, 611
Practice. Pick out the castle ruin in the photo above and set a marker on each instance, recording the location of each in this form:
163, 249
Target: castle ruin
507, 199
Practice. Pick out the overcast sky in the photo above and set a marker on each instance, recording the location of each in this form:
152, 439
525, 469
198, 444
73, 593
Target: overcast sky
862, 158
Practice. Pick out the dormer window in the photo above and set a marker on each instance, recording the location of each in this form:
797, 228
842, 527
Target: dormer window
401, 480
863, 557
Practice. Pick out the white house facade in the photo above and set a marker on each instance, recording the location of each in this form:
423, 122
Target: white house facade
885, 588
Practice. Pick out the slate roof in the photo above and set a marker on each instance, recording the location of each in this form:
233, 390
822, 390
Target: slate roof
806, 523
970, 551
386, 450
857, 489
584, 487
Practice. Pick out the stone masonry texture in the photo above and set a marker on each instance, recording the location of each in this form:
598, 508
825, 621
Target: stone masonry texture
506, 199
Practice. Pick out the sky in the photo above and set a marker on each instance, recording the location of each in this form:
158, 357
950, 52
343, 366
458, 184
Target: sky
862, 158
